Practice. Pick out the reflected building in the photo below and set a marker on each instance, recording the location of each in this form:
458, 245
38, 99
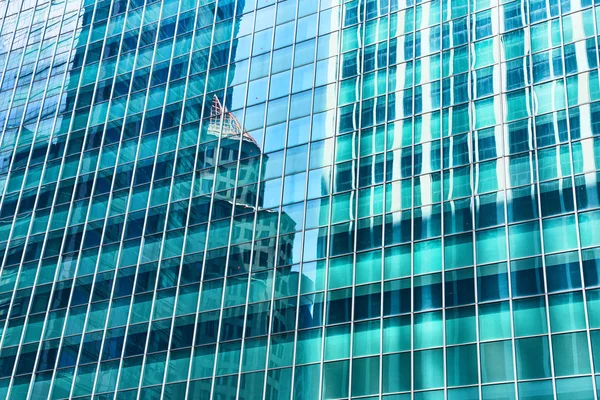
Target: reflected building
260, 199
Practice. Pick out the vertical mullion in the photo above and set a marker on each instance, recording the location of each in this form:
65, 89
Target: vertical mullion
19, 269
505, 158
44, 246
412, 56
474, 197
149, 206
223, 114
15, 218
574, 194
385, 128
15, 290
362, 23
110, 300
182, 255
279, 206
328, 241
533, 159
209, 221
4, 123
305, 200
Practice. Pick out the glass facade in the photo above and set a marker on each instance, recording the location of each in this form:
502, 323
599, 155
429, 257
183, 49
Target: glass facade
303, 199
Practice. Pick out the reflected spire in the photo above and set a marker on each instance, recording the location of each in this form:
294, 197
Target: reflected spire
231, 126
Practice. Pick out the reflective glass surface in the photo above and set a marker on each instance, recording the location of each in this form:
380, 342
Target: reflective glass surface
300, 199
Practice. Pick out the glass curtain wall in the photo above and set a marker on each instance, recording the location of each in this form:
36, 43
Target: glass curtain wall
299, 199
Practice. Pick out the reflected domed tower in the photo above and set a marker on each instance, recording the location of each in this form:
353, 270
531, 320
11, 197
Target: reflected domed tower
245, 162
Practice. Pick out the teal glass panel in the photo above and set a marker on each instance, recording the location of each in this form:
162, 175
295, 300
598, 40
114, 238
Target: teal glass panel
461, 325
533, 358
397, 334
530, 316
306, 382
308, 346
428, 330
427, 256
566, 312
502, 391
396, 372
366, 338
365, 376
337, 342
574, 388
536, 390
397, 261
494, 321
496, 362
470, 393
525, 240
491, 245
560, 234
336, 377
574, 354
428, 369
461, 365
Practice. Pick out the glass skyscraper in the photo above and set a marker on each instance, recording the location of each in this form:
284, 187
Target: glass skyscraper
303, 199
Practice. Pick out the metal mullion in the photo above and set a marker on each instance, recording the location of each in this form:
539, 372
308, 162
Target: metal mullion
256, 214
208, 223
77, 267
56, 274
3, 132
100, 246
356, 175
26, 240
384, 196
596, 38
26, 316
412, 202
576, 208
159, 261
3, 75
104, 330
116, 269
538, 220
473, 196
12, 227
25, 104
231, 222
249, 283
121, 242
37, 273
240, 365
46, 155
185, 228
304, 201
225, 277
279, 206
506, 157
443, 201
330, 197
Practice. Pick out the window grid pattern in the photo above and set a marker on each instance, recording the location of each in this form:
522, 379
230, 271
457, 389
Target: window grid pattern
317, 199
